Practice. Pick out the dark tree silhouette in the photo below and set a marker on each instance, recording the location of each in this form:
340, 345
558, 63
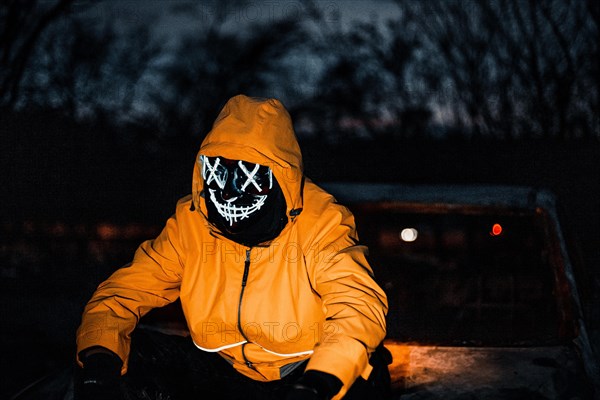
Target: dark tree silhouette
212, 65
365, 89
497, 69
85, 70
510, 69
23, 22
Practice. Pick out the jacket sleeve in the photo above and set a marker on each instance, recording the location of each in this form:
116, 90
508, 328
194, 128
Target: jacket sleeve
151, 280
355, 306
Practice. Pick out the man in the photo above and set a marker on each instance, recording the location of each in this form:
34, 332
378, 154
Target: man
268, 270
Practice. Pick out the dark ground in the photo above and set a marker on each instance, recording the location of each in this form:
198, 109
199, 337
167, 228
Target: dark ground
53, 252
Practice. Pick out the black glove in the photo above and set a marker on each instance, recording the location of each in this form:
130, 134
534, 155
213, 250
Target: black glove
100, 377
314, 385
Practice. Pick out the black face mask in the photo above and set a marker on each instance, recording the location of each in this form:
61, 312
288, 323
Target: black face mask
244, 200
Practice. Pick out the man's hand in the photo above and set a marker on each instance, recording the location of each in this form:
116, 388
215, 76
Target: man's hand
314, 385
100, 377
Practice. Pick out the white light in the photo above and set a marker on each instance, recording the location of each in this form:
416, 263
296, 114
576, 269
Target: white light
409, 234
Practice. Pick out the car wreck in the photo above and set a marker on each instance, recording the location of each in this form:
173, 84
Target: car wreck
485, 297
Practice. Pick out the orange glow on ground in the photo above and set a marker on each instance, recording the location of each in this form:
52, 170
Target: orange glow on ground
400, 366
416, 365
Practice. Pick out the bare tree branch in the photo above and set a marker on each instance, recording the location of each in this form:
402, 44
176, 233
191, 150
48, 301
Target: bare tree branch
16, 62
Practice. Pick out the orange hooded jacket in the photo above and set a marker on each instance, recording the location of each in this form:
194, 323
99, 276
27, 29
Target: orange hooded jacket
309, 293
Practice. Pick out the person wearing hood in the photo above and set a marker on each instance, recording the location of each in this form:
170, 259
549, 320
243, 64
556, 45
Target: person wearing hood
276, 290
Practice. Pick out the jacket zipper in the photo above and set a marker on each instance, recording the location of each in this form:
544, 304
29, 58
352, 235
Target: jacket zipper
239, 319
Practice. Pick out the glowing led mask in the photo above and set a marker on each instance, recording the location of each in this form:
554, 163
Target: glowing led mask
237, 190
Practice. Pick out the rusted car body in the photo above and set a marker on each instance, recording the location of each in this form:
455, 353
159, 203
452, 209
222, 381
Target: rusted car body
485, 298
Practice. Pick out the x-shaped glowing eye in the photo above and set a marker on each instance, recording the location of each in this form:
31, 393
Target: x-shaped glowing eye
250, 176
219, 175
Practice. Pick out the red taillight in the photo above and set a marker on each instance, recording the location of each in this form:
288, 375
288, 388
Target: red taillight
496, 230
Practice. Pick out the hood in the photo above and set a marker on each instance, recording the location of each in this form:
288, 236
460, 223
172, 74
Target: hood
258, 131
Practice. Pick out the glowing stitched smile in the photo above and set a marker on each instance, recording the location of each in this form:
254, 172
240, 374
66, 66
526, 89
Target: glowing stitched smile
233, 213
